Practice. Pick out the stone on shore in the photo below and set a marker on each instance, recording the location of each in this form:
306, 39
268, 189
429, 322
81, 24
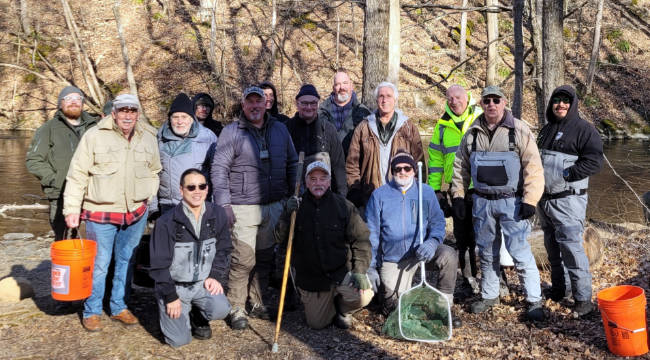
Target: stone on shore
17, 236
14, 289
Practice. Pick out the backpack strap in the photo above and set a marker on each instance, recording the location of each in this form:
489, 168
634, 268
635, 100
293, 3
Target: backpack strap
511, 139
474, 132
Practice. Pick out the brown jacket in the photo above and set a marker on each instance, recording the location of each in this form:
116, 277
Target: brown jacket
526, 148
363, 162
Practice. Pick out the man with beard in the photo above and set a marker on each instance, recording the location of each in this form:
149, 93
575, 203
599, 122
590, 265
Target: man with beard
53, 145
271, 103
571, 151
331, 251
203, 107
343, 109
392, 215
254, 170
311, 134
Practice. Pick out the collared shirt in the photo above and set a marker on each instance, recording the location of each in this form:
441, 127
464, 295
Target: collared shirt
196, 223
115, 218
341, 112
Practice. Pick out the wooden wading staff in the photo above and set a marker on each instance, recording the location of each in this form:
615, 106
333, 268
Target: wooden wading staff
287, 261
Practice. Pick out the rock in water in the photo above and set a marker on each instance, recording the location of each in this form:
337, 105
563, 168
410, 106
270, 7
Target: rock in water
14, 289
17, 236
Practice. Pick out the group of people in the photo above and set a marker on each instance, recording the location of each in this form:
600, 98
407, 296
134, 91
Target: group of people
222, 198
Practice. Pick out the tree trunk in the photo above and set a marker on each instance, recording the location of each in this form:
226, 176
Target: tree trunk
518, 14
596, 47
24, 17
536, 31
463, 34
212, 56
553, 47
133, 86
380, 56
205, 10
274, 24
492, 50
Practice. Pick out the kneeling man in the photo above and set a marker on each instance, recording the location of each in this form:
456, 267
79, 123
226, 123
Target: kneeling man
190, 257
331, 251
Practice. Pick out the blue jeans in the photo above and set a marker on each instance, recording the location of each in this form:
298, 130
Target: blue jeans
123, 240
504, 212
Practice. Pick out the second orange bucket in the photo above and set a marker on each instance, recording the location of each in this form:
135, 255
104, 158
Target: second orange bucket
623, 311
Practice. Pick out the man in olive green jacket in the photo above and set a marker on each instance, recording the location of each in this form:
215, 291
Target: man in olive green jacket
52, 147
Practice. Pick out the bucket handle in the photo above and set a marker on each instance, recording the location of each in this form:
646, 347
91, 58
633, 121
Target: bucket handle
68, 231
615, 325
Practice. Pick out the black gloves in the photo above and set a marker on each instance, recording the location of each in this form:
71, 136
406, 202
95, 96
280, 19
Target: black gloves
526, 211
458, 206
444, 205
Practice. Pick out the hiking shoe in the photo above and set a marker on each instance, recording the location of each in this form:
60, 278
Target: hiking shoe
583, 308
92, 323
238, 319
558, 295
535, 311
259, 311
483, 305
125, 317
200, 325
342, 321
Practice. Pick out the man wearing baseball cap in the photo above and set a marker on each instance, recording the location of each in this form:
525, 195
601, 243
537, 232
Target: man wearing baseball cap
499, 156
253, 171
112, 177
331, 251
48, 157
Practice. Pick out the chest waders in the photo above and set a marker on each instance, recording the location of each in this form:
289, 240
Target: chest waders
562, 214
497, 198
192, 261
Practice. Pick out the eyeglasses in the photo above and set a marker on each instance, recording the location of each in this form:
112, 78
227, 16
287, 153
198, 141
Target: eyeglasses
308, 103
565, 99
73, 97
495, 101
399, 169
193, 187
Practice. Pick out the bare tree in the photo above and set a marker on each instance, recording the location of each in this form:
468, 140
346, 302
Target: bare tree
535, 22
379, 63
204, 11
518, 14
133, 86
596, 47
493, 35
274, 24
553, 47
463, 34
24, 17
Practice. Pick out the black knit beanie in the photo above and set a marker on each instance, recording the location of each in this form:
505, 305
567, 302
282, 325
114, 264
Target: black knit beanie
402, 157
182, 103
307, 89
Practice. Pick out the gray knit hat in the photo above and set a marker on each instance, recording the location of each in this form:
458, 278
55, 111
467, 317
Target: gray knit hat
67, 91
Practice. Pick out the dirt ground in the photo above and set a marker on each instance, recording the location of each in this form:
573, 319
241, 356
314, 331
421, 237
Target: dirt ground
41, 328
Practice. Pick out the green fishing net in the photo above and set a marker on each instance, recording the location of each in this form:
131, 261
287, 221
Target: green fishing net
425, 316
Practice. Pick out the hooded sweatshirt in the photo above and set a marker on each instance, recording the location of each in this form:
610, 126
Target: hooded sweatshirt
209, 122
572, 135
273, 111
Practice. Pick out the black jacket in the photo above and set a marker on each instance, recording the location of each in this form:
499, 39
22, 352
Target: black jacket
320, 136
572, 135
174, 227
330, 239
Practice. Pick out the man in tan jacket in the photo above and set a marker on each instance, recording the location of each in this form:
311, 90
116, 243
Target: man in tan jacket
498, 154
375, 142
112, 176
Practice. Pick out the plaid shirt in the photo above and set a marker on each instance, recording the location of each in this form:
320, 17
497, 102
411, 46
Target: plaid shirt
115, 218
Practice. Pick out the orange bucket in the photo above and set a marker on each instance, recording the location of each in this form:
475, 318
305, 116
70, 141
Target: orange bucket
623, 311
72, 269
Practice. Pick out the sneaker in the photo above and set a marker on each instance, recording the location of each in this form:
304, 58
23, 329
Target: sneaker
92, 323
342, 321
238, 319
259, 311
125, 317
583, 308
535, 311
200, 325
483, 305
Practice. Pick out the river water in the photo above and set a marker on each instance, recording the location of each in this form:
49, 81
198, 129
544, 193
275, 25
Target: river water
610, 200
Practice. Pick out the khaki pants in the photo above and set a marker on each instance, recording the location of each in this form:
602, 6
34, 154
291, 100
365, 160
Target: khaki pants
320, 306
252, 254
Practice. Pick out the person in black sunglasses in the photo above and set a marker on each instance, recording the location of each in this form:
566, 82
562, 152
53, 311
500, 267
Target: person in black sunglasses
190, 257
571, 151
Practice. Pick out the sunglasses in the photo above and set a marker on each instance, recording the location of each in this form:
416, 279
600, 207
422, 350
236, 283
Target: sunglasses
398, 169
495, 101
558, 99
200, 186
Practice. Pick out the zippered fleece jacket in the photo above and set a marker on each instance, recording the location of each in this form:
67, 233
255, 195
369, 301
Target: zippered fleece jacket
109, 173
392, 218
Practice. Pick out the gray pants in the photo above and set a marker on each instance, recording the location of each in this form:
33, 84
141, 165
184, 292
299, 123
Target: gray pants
563, 223
396, 278
178, 332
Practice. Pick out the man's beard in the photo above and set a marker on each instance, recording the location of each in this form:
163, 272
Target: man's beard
342, 97
72, 113
404, 182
